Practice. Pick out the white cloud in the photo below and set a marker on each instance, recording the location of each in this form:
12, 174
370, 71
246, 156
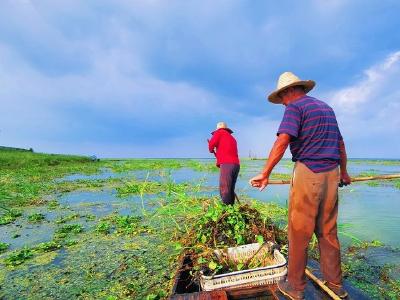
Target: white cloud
154, 61
378, 82
368, 110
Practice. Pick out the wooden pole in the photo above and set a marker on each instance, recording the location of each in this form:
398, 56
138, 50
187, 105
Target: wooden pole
353, 179
321, 285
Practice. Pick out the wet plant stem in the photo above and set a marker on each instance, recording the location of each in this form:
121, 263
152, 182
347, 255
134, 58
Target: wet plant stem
142, 190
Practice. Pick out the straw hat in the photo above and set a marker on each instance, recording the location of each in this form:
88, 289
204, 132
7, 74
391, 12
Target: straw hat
223, 126
286, 80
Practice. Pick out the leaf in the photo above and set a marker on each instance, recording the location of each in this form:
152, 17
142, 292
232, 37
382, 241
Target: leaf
201, 260
203, 239
239, 266
152, 297
212, 265
260, 239
178, 246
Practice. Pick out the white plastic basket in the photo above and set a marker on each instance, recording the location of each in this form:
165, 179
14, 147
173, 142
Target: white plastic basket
251, 277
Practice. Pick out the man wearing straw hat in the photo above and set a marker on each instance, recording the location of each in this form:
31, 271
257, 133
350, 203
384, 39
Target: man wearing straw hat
309, 126
224, 147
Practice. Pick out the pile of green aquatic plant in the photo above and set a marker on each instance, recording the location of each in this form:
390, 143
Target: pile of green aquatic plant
223, 226
233, 225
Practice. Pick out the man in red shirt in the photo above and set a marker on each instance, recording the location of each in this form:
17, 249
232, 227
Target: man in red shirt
224, 147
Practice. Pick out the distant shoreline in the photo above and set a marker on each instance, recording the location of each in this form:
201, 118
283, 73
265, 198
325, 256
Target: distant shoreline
6, 148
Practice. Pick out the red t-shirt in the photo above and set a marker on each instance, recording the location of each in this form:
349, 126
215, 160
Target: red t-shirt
226, 146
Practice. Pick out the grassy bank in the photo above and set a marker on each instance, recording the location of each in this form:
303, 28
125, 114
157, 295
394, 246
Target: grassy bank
25, 177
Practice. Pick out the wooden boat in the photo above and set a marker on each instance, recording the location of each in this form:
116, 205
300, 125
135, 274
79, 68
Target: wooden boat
185, 289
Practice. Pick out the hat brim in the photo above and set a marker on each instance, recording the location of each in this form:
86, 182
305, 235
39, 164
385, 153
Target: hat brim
307, 84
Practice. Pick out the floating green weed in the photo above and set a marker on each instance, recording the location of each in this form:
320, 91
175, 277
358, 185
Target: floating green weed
90, 217
64, 219
9, 216
344, 230
103, 227
36, 217
3, 247
397, 183
19, 257
160, 164
53, 204
47, 246
391, 162
369, 173
127, 224
282, 176
134, 187
71, 242
65, 230
373, 279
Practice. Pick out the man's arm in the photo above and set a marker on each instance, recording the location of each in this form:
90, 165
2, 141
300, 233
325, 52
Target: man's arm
213, 143
276, 154
344, 176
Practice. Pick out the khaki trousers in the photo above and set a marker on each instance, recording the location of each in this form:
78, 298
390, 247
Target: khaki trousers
313, 207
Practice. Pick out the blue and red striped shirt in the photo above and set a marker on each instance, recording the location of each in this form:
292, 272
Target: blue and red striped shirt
315, 133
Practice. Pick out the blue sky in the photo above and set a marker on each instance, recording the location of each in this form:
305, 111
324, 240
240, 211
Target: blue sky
152, 78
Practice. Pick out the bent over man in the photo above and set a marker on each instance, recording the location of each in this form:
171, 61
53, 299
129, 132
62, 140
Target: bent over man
224, 147
310, 127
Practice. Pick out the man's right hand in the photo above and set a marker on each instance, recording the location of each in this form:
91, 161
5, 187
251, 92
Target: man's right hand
260, 181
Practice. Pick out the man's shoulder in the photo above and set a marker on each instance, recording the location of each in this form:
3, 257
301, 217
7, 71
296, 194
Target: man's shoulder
310, 102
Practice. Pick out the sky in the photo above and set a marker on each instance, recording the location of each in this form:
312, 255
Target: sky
152, 78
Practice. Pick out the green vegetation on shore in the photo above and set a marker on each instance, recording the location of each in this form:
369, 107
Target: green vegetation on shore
25, 177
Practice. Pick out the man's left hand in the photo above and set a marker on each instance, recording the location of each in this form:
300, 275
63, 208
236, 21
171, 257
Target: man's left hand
260, 181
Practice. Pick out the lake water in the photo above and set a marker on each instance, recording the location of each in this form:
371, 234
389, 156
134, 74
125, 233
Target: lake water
369, 212
365, 212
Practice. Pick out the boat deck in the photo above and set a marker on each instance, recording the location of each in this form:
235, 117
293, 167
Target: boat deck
184, 289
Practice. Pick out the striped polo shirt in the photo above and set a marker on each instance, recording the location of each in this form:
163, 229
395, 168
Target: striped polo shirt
315, 133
